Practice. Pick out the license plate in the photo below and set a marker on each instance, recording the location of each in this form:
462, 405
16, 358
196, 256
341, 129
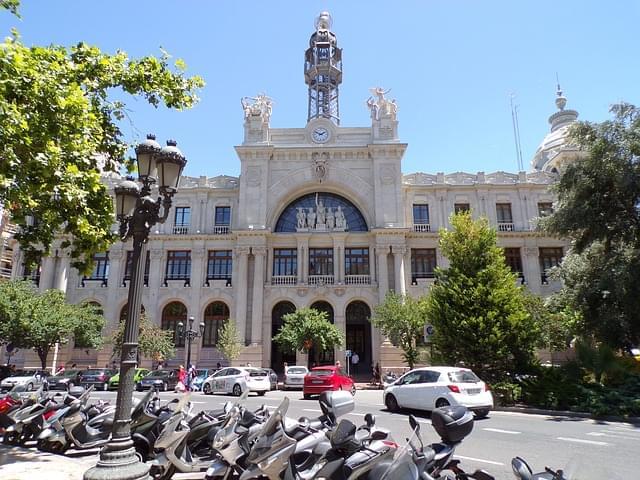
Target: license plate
473, 391
317, 381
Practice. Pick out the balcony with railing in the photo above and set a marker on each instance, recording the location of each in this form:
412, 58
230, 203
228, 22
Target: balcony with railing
221, 230
218, 281
103, 280
320, 279
181, 277
180, 229
357, 279
284, 280
421, 227
505, 227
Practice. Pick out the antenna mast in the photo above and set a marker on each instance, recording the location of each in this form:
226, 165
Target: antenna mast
516, 132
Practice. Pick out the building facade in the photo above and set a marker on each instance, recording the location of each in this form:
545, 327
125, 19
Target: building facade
321, 216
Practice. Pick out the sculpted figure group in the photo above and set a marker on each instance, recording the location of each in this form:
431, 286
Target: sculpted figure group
321, 218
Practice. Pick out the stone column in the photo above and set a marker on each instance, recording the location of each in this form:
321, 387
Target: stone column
156, 278
259, 254
341, 323
531, 268
383, 273
270, 265
240, 289
372, 263
61, 278
197, 268
47, 273
398, 263
303, 267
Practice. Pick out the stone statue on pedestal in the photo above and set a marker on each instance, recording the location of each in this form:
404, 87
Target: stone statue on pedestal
301, 218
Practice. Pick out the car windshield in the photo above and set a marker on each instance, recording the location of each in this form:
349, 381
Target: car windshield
69, 373
94, 372
202, 373
23, 373
463, 376
321, 373
298, 370
159, 373
258, 373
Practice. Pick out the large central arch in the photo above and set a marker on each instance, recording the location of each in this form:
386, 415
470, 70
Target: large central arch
287, 221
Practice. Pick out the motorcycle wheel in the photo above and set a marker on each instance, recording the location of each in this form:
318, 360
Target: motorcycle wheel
55, 447
166, 475
11, 438
42, 445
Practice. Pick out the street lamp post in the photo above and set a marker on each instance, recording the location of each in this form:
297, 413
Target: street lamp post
137, 211
189, 335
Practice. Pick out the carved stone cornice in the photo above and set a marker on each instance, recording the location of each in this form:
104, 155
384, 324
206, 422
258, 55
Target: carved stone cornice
238, 251
259, 251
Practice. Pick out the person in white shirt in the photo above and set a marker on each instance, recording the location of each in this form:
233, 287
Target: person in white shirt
355, 359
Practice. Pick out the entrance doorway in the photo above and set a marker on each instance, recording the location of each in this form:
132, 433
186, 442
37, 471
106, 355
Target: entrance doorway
326, 357
279, 357
358, 333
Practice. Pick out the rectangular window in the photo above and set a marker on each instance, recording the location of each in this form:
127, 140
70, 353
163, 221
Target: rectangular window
223, 216
285, 262
219, 265
513, 260
420, 214
461, 207
545, 209
100, 271
32, 273
182, 220
549, 258
321, 261
503, 213
129, 266
423, 263
178, 265
356, 261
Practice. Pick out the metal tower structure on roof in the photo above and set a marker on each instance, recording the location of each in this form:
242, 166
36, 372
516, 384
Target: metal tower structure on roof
323, 71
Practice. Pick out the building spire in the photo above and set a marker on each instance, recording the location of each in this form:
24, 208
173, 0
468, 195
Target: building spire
323, 71
562, 117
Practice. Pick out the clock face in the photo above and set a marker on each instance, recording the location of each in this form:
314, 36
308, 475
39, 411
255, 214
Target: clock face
320, 135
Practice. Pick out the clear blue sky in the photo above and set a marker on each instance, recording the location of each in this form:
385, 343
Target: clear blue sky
451, 66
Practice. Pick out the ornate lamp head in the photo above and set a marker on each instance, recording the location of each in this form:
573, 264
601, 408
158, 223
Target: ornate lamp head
146, 157
170, 162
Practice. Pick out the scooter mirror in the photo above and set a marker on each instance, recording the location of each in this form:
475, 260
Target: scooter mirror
414, 424
227, 407
520, 469
370, 420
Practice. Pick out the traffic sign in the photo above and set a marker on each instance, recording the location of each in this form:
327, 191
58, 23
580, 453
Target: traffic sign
429, 330
347, 353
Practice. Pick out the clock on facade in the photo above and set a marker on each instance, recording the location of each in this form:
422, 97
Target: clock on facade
320, 135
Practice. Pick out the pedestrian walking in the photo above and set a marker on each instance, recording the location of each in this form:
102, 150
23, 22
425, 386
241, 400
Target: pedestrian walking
182, 378
355, 359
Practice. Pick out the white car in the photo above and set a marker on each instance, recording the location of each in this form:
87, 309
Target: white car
433, 387
236, 380
294, 377
31, 379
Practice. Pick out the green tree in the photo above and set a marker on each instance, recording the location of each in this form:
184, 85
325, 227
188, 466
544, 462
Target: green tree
306, 329
402, 319
153, 341
229, 341
60, 131
476, 308
29, 319
598, 210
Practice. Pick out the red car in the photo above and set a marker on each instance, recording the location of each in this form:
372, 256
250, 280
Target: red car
330, 377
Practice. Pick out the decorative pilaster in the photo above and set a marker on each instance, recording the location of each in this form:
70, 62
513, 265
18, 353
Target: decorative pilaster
240, 287
62, 271
259, 254
47, 273
398, 263
383, 272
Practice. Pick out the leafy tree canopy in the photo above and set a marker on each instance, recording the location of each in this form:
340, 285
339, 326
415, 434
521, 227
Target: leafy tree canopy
229, 340
476, 308
29, 319
153, 341
60, 131
598, 209
308, 328
402, 319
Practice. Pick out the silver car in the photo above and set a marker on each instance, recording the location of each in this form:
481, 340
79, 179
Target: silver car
31, 379
294, 377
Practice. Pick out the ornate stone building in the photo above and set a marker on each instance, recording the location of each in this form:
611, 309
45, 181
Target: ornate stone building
321, 216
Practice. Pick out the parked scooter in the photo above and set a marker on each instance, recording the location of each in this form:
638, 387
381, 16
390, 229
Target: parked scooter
522, 471
22, 405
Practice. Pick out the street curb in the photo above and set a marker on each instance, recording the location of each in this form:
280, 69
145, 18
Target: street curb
567, 413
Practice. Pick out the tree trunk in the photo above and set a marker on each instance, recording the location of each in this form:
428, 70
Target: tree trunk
43, 353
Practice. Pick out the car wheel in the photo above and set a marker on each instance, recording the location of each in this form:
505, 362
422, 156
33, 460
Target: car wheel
206, 389
353, 390
165, 387
306, 396
261, 394
482, 413
29, 387
237, 390
11, 438
391, 403
441, 402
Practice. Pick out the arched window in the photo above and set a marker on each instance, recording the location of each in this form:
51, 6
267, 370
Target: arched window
288, 221
215, 315
123, 312
172, 314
